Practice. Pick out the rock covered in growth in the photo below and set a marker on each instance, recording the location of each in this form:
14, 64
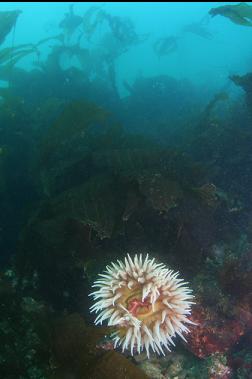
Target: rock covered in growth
74, 347
214, 333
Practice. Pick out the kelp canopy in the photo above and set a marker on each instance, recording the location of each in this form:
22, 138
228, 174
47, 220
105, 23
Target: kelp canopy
8, 20
240, 14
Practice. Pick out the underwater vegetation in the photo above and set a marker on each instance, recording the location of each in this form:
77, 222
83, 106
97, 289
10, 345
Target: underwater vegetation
199, 29
70, 22
165, 45
240, 14
87, 174
8, 21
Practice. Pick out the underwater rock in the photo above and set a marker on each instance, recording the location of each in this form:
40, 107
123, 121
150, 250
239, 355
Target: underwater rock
113, 365
213, 334
24, 330
235, 275
242, 362
243, 312
152, 370
74, 347
62, 250
182, 365
218, 368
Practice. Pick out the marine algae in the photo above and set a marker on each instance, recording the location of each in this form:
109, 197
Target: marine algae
240, 14
8, 20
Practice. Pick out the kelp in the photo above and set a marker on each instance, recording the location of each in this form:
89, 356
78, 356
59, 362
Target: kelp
12, 110
58, 37
240, 14
97, 203
207, 194
198, 29
165, 45
82, 54
68, 142
70, 22
45, 113
161, 193
121, 28
8, 20
208, 111
69, 130
10, 56
245, 82
132, 162
4, 92
93, 17
8, 71
8, 53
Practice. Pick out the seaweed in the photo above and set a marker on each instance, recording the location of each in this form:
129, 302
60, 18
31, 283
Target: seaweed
245, 82
206, 117
121, 28
75, 348
98, 203
67, 141
165, 45
240, 14
8, 20
70, 22
93, 17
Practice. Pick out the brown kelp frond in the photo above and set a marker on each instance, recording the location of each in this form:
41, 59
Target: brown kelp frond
70, 22
58, 37
240, 14
165, 45
122, 28
198, 29
8, 20
93, 17
207, 113
11, 55
70, 129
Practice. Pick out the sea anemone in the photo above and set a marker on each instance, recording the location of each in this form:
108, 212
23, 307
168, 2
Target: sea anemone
145, 302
